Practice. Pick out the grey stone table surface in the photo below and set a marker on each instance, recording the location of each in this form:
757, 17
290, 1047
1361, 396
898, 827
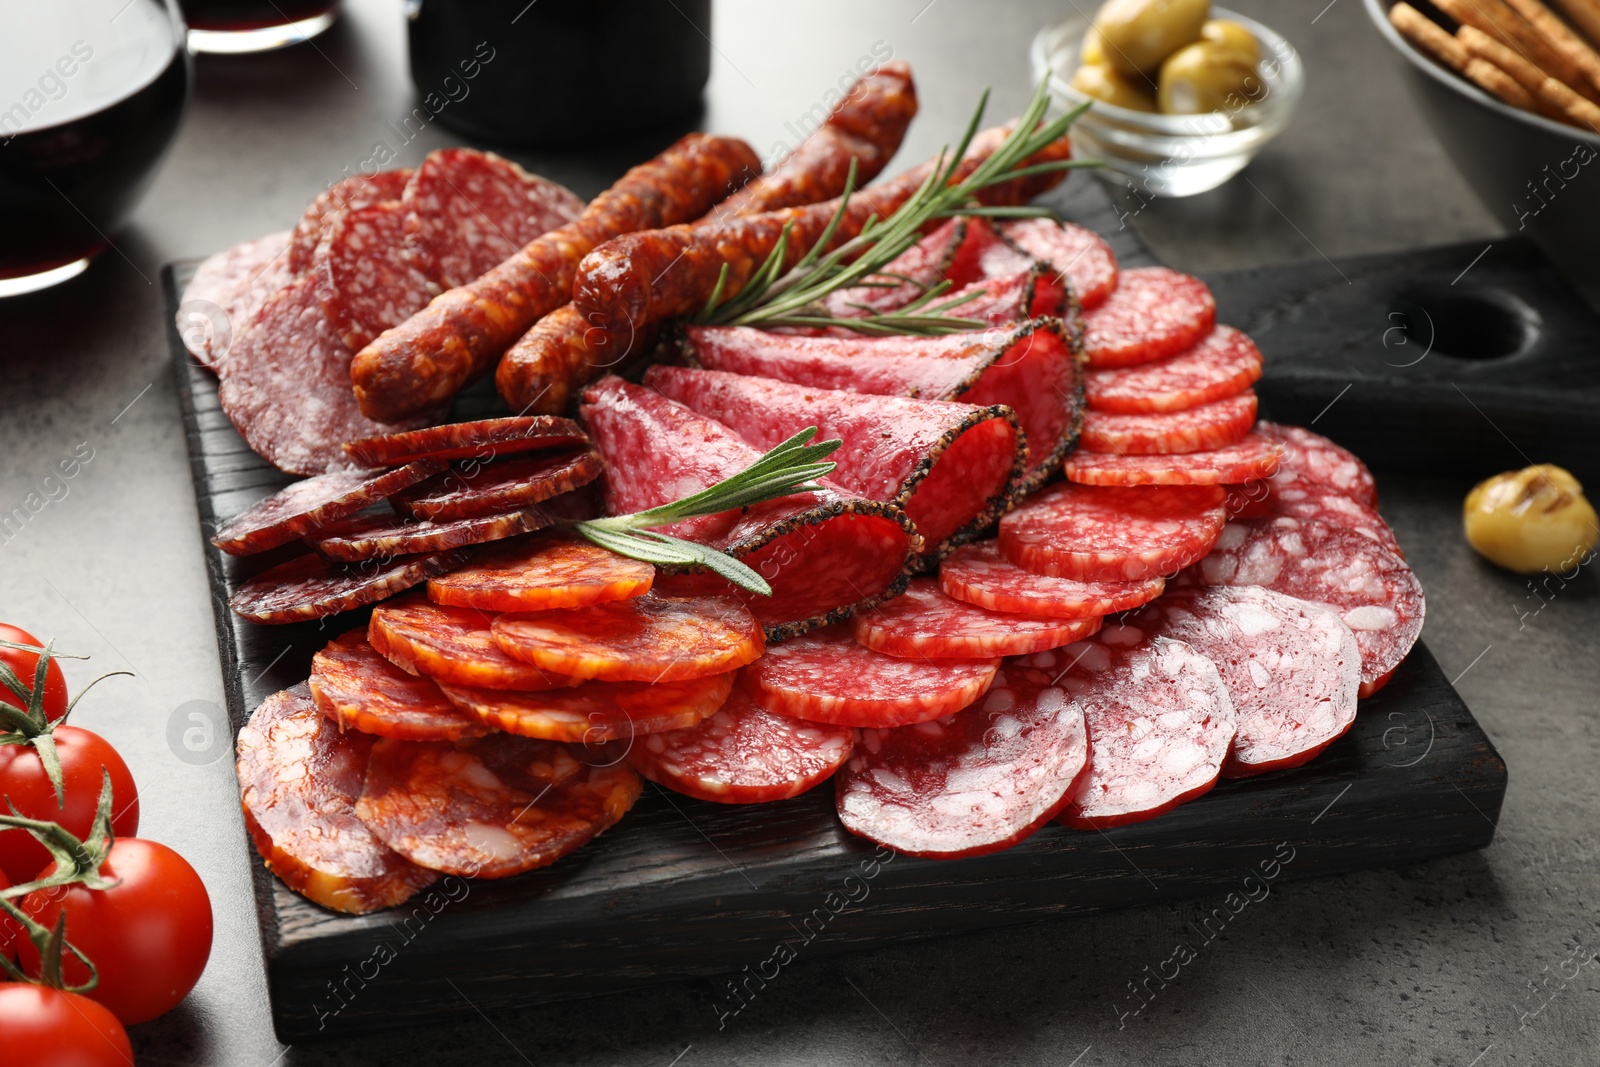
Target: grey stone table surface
1476, 959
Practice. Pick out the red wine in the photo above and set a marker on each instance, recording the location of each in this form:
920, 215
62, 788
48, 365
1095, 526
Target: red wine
237, 15
88, 104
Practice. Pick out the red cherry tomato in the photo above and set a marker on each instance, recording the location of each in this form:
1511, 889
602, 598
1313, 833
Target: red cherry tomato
10, 931
149, 936
25, 663
41, 1027
23, 782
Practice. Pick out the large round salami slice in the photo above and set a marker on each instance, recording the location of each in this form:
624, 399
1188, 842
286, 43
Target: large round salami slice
359, 689
979, 574
306, 506
381, 537
1223, 364
1309, 459
364, 280
537, 574
1252, 458
452, 646
1200, 429
1291, 668
1160, 724
467, 211
827, 676
299, 779
643, 639
1306, 500
226, 292
743, 754
974, 782
484, 440
925, 623
595, 712
1153, 313
489, 807
1080, 255
349, 194
1108, 534
311, 587
286, 387
1371, 588
501, 486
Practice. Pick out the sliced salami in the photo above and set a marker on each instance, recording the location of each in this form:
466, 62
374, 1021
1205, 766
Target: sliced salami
359, 689
1160, 724
1029, 293
1201, 429
743, 755
489, 807
1371, 588
538, 574
970, 783
595, 712
311, 587
286, 387
1306, 500
467, 211
364, 280
226, 292
1107, 534
644, 639
349, 194
950, 467
1291, 668
383, 537
306, 506
907, 276
299, 779
1309, 459
827, 677
979, 574
925, 623
484, 439
501, 486
1223, 364
823, 553
453, 646
1080, 255
1252, 458
1153, 313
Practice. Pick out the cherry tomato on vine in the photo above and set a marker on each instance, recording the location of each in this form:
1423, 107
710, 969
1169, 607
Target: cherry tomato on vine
149, 935
25, 663
10, 931
43, 1027
23, 782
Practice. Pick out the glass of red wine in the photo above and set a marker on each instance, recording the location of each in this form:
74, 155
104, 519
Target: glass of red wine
232, 26
91, 94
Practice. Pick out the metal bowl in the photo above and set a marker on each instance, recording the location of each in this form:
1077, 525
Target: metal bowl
1538, 177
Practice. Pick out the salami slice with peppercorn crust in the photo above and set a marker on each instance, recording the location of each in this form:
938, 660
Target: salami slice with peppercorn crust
1032, 369
743, 755
596, 711
490, 807
299, 780
453, 646
311, 587
1160, 724
1250, 459
542, 573
1292, 668
359, 689
307, 505
981, 575
1200, 429
949, 467
501, 486
924, 623
1223, 364
1109, 534
1153, 313
973, 782
825, 554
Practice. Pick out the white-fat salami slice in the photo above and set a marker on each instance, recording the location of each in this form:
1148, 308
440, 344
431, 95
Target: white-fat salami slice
226, 292
364, 280
1113, 533
1309, 459
980, 575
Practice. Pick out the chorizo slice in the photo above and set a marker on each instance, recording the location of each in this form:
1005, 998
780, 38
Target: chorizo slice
501, 486
1153, 313
484, 439
981, 575
312, 503
489, 807
1110, 534
538, 574
452, 646
299, 780
595, 712
359, 689
644, 639
1251, 459
312, 587
382, 537
925, 623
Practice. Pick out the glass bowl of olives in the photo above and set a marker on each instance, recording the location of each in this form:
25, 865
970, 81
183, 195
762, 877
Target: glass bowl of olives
1182, 94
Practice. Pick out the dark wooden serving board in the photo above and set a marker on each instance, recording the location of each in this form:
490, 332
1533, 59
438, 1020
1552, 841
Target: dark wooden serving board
686, 888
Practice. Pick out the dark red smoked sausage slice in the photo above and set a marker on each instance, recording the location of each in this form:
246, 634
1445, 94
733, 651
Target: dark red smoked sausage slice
381, 537
501, 486
1201, 429
299, 778
743, 755
1160, 723
1252, 458
1223, 364
308, 505
1108, 534
1153, 313
974, 782
980, 575
364, 280
484, 439
1371, 588
359, 689
490, 807
310, 587
537, 574
925, 623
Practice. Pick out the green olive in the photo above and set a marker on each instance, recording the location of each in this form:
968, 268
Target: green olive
1093, 52
1139, 34
1103, 83
1205, 77
1232, 35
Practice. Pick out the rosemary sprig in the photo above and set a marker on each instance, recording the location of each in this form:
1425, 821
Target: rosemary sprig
775, 297
791, 467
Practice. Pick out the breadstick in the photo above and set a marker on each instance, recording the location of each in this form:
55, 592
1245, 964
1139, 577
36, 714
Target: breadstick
1563, 40
1585, 15
1429, 36
1492, 79
1510, 29
1550, 96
